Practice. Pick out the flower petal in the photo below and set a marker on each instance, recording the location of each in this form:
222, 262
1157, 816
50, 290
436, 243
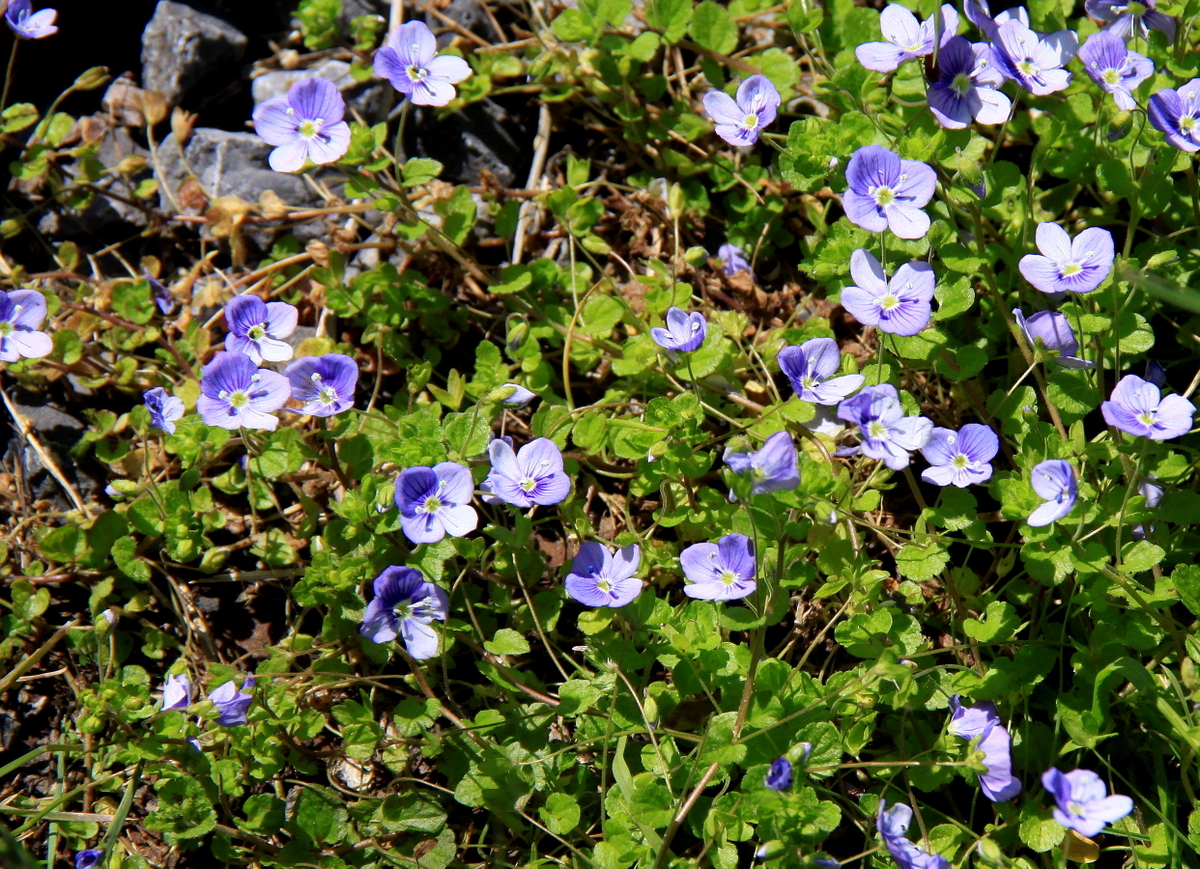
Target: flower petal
449, 68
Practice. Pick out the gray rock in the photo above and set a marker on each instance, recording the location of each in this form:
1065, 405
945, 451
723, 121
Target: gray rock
115, 202
276, 83
483, 135
352, 9
180, 45
469, 14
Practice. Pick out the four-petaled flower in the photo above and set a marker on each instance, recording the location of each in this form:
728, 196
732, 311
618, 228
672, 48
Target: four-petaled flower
236, 394
720, 571
409, 60
1053, 331
532, 475
733, 260
1083, 801
164, 409
232, 703
966, 89
1114, 67
770, 469
892, 826
28, 24
324, 383
885, 432
1137, 407
982, 722
1174, 113
598, 578
810, 369
305, 125
739, 121
1054, 481
1066, 265
779, 776
906, 38
684, 332
886, 192
434, 502
89, 859
405, 604
21, 313
257, 328
900, 306
177, 692
1035, 62
960, 458
1131, 17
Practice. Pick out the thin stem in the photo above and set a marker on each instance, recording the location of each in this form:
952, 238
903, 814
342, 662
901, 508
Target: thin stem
8, 74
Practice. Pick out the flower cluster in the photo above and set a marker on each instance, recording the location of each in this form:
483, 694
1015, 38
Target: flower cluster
231, 702
980, 724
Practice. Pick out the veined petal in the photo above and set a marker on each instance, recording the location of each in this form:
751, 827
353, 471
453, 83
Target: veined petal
316, 99
722, 108
899, 26
868, 273
862, 210
907, 221
862, 304
289, 157
880, 56
449, 68
331, 145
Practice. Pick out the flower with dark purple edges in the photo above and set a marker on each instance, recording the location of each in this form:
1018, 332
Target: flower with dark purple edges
1083, 801
770, 469
162, 296
982, 722
164, 409
232, 703
1131, 17
519, 396
28, 24
1067, 265
1114, 67
434, 502
304, 126
177, 692
684, 332
598, 578
409, 60
257, 328
961, 458
532, 475
739, 121
779, 776
720, 571
901, 306
1055, 483
236, 394
89, 859
21, 313
1053, 331
405, 605
893, 826
966, 89
324, 383
1152, 492
886, 192
1138, 408
810, 369
1174, 112
884, 431
979, 13
906, 38
1034, 61
733, 260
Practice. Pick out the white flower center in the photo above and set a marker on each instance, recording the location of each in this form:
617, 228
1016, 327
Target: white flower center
416, 74
432, 504
889, 302
1027, 68
1111, 76
961, 84
257, 332
1146, 417
236, 399
876, 430
727, 577
883, 195
310, 129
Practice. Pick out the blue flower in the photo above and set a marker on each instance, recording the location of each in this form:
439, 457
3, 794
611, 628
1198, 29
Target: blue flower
961, 458
597, 578
779, 777
893, 826
162, 296
21, 313
906, 38
405, 605
305, 125
886, 192
810, 369
739, 121
886, 433
684, 333
1054, 332
231, 703
981, 722
519, 395
257, 328
534, 475
164, 409
1083, 802
409, 60
1054, 481
900, 306
979, 13
324, 383
1067, 265
236, 394
1131, 17
434, 502
177, 692
1174, 112
966, 89
772, 468
1137, 407
720, 571
1034, 61
1115, 68
92, 857
733, 260
28, 24
1152, 492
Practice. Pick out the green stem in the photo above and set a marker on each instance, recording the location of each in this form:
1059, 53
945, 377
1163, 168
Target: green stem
8, 74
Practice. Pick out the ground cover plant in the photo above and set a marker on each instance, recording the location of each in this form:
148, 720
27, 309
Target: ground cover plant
782, 456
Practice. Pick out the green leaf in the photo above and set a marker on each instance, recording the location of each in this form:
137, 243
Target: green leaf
922, 562
670, 18
420, 170
1000, 624
507, 642
560, 814
713, 27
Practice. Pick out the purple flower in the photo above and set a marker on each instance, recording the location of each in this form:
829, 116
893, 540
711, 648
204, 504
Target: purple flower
893, 825
810, 369
1155, 372
434, 502
971, 722
684, 333
236, 394
1174, 113
597, 578
164, 409
887, 192
886, 433
1153, 493
231, 703
92, 857
305, 125
966, 87
534, 475
31, 25
324, 383
162, 296
1115, 68
177, 692
960, 458
779, 776
1138, 408
1035, 62
901, 306
1131, 17
1054, 482
772, 468
982, 722
720, 571
1083, 801
405, 605
1066, 265
1054, 332
739, 122
979, 14
257, 328
21, 313
409, 60
732, 260
906, 38
519, 397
